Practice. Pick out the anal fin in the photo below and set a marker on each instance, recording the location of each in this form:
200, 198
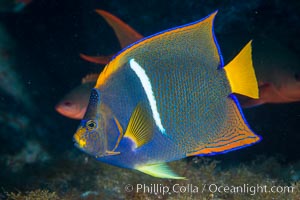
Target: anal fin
159, 170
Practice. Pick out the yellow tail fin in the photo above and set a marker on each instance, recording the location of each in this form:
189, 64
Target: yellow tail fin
241, 75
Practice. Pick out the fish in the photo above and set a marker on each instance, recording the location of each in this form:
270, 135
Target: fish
74, 103
11, 83
167, 97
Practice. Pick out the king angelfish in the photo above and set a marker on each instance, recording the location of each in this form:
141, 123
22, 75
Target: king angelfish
167, 97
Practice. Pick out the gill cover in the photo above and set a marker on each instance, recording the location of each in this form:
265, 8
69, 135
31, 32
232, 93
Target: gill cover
90, 136
100, 132
88, 121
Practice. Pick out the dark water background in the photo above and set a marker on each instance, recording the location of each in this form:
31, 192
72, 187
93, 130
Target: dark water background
50, 34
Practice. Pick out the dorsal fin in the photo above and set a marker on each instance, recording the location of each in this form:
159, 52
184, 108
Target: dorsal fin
125, 34
90, 78
102, 60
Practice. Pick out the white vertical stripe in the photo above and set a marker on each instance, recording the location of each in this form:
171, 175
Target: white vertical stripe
140, 72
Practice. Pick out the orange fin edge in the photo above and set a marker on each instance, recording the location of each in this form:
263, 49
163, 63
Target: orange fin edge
222, 147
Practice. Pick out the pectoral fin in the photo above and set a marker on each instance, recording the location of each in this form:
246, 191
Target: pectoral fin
140, 126
160, 170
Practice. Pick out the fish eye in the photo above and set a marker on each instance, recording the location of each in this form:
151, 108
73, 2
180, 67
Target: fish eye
67, 103
91, 125
297, 77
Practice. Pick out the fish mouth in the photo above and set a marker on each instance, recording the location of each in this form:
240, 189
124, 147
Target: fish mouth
76, 144
81, 148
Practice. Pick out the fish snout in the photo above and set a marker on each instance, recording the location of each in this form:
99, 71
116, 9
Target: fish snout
79, 138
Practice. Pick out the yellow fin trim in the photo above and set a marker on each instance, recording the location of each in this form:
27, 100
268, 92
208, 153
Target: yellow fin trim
120, 134
160, 170
241, 75
111, 153
140, 126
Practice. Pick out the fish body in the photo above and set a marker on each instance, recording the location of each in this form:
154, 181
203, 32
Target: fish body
167, 97
74, 103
